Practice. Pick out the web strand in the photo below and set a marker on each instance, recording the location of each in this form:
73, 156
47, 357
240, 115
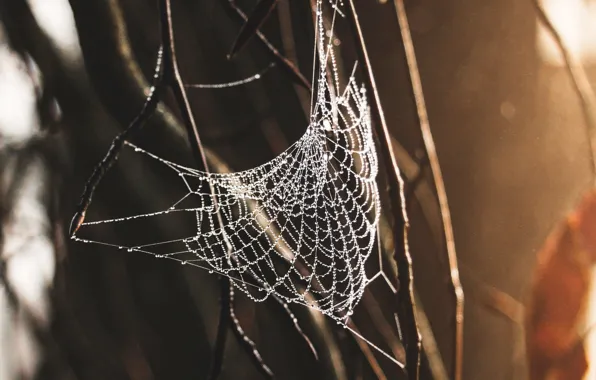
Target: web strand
237, 83
300, 227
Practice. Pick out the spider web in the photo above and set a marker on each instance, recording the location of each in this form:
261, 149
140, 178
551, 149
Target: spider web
299, 227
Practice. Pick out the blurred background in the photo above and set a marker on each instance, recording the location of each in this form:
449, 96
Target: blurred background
507, 124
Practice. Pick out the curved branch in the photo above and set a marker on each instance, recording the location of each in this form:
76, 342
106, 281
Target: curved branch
433, 159
581, 83
245, 341
406, 300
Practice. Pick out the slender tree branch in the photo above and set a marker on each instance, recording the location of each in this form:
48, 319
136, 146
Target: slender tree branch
258, 15
580, 80
431, 153
112, 155
429, 344
174, 80
285, 63
296, 325
402, 255
222, 328
413, 183
248, 345
227, 315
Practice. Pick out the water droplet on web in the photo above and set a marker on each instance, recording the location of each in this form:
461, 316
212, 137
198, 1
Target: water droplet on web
289, 185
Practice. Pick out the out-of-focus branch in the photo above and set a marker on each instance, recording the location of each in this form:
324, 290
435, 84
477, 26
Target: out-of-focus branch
580, 80
27, 255
289, 45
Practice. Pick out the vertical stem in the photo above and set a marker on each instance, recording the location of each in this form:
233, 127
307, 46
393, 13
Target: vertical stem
222, 328
175, 81
402, 256
431, 153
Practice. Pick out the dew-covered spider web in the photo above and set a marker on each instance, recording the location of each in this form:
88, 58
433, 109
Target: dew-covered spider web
299, 227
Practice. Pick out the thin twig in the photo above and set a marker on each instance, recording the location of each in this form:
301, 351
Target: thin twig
246, 342
286, 64
284, 14
174, 80
222, 329
199, 152
368, 354
431, 153
256, 19
385, 329
429, 344
412, 183
112, 155
580, 80
297, 327
402, 254
166, 74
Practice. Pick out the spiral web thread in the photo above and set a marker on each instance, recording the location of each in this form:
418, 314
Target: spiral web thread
299, 227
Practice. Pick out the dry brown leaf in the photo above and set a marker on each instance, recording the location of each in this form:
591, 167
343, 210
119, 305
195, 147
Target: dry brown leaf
559, 297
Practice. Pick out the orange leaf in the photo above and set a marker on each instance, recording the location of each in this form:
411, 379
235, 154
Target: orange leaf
559, 297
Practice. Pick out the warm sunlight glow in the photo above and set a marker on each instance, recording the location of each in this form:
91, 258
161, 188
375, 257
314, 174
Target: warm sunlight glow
56, 19
575, 21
